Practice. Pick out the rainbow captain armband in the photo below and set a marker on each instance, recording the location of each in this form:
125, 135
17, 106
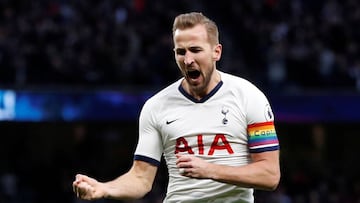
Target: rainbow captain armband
262, 137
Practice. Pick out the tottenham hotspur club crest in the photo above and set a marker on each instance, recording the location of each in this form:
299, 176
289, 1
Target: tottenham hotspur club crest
224, 111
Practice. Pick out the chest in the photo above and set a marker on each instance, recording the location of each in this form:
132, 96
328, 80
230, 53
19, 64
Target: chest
223, 117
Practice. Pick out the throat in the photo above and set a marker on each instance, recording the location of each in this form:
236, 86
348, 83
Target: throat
197, 97
196, 91
200, 93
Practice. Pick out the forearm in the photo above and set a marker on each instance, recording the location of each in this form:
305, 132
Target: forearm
126, 187
132, 185
257, 175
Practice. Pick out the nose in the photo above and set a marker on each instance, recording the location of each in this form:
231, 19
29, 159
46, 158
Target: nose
188, 59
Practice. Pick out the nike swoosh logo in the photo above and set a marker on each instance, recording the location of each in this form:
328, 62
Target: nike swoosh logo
168, 122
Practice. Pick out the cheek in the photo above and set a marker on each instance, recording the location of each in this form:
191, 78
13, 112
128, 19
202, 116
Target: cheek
180, 65
179, 60
205, 61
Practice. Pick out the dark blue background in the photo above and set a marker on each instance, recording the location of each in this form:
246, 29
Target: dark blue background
115, 105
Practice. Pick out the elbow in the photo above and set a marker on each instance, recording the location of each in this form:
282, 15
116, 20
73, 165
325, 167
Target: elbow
270, 182
145, 190
274, 185
274, 178
273, 182
138, 195
148, 189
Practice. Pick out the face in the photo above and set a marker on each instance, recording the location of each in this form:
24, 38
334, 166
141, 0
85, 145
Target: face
196, 58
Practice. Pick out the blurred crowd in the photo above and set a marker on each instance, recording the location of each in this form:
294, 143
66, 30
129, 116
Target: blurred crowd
291, 45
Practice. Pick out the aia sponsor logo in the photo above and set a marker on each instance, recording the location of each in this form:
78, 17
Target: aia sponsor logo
218, 143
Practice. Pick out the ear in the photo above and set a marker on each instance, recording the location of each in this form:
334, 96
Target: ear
217, 52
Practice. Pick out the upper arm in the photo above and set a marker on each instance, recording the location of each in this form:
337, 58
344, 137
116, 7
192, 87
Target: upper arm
269, 162
263, 142
270, 157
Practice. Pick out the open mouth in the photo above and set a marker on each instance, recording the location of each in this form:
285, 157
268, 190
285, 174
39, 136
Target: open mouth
193, 74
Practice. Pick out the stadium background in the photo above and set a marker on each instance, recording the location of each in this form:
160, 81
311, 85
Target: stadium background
73, 75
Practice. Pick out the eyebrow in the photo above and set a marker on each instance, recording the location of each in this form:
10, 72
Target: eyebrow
191, 47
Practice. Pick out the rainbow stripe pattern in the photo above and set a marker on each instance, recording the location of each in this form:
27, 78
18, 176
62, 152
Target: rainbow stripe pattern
262, 137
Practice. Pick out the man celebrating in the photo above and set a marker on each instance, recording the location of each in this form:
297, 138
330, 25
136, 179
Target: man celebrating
215, 130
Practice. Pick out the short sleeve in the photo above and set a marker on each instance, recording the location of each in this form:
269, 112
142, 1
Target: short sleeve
149, 147
260, 120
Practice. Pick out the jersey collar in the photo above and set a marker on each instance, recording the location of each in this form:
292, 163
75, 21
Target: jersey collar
212, 92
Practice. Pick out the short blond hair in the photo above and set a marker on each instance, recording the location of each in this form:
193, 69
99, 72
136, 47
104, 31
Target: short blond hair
189, 20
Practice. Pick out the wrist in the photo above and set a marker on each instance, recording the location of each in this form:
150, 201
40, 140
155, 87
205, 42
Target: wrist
104, 192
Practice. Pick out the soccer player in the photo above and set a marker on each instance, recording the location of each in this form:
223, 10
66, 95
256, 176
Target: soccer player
215, 130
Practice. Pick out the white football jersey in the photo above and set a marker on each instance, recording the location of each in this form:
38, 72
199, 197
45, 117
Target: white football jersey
234, 120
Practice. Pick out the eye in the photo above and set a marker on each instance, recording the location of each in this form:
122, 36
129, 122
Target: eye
195, 50
180, 51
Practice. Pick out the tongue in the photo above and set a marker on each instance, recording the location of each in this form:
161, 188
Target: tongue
194, 74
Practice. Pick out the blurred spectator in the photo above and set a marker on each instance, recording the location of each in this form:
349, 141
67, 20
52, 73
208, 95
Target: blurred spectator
278, 44
9, 188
